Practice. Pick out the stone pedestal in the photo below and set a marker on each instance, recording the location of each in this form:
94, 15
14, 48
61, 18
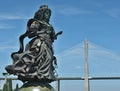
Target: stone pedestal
36, 86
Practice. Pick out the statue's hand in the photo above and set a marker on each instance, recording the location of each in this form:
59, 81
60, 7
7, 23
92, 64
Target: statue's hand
59, 33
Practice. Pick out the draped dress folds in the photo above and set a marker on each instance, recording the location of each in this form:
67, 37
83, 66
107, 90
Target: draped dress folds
36, 62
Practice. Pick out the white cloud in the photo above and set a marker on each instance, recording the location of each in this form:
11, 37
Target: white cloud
6, 26
7, 47
12, 17
71, 10
115, 13
97, 4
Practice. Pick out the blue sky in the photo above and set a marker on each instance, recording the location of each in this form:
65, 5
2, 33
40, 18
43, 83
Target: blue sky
98, 21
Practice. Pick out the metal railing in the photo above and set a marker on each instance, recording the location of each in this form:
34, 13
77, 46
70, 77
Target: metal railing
58, 80
82, 78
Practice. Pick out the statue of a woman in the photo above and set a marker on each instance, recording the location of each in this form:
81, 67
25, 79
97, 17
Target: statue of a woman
37, 61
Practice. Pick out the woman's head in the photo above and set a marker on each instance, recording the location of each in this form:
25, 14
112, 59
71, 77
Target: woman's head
43, 13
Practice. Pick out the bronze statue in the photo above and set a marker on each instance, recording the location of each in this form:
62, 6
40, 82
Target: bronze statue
37, 61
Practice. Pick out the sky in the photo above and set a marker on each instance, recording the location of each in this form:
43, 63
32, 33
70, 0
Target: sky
98, 21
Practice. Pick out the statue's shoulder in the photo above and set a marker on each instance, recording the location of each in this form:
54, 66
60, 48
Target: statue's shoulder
30, 21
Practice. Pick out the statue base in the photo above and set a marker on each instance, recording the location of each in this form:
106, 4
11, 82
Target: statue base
36, 86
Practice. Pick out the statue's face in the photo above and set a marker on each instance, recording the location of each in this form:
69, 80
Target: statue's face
47, 15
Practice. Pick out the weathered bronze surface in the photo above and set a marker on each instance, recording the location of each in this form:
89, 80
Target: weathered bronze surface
36, 62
